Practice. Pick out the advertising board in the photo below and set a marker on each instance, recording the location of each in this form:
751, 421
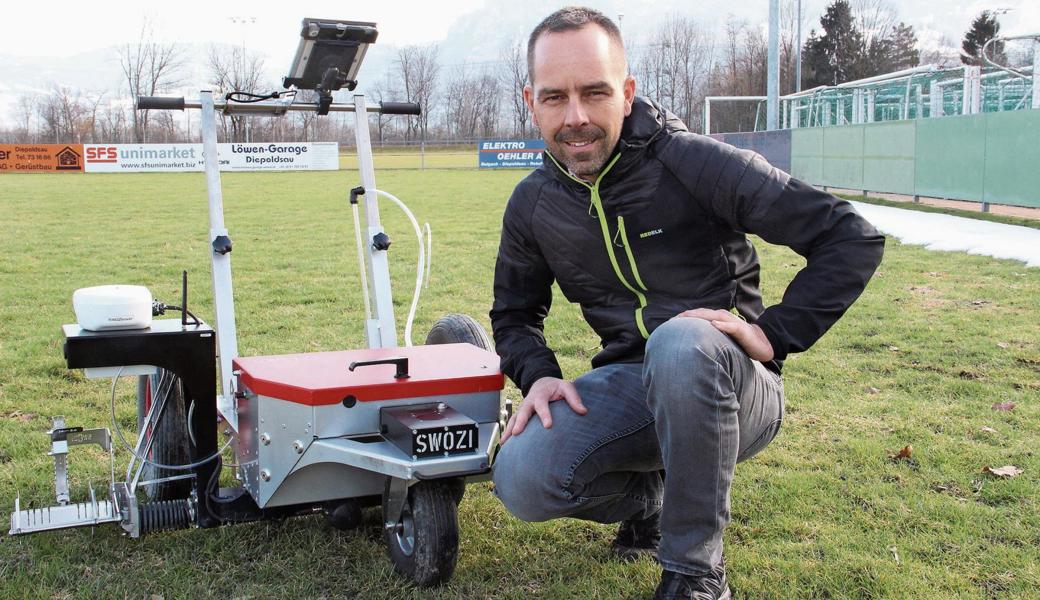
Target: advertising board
275, 156
41, 158
510, 154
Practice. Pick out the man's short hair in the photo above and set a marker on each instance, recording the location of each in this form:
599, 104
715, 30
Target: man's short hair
570, 18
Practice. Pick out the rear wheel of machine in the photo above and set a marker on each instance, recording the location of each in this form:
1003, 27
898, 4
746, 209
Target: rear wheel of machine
170, 445
458, 329
424, 545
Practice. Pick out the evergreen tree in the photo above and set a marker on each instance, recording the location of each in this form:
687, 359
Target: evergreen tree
984, 28
836, 55
901, 51
842, 53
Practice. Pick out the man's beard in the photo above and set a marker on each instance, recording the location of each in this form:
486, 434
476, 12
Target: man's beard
593, 157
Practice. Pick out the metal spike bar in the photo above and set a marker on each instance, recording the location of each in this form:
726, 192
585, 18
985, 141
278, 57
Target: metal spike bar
80, 514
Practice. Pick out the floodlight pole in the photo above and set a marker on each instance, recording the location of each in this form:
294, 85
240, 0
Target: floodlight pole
798, 52
773, 66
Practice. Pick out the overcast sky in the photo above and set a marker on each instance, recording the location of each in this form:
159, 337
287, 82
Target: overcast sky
64, 27
44, 43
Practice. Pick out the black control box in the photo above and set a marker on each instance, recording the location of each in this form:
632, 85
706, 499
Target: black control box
429, 430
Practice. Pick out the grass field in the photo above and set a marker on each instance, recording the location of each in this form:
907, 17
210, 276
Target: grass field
438, 157
824, 512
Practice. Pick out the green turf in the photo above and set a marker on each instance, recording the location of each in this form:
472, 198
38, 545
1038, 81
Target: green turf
937, 339
435, 157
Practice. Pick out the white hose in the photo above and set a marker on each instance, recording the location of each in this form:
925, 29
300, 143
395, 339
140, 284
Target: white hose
420, 264
429, 252
361, 262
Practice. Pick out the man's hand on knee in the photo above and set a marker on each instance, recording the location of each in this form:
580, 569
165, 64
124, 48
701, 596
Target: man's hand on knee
544, 391
750, 337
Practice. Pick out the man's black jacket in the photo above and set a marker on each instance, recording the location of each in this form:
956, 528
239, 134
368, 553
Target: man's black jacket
663, 231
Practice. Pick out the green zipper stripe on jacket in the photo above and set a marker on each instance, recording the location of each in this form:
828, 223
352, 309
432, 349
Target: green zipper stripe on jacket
639, 280
628, 251
594, 190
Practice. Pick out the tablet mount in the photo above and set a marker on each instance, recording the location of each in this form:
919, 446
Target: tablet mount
329, 57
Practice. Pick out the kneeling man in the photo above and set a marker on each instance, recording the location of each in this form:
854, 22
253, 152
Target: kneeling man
644, 225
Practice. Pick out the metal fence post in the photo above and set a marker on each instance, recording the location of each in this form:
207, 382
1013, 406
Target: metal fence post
773, 64
972, 91
1036, 72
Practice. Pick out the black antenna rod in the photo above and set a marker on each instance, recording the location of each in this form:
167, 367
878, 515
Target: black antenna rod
184, 298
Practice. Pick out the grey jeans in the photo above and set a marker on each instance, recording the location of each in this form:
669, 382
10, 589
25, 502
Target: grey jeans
695, 407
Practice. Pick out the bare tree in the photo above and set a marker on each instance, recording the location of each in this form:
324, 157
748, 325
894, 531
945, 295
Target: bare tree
384, 91
418, 69
304, 124
789, 44
61, 115
149, 68
675, 66
235, 69
458, 110
489, 103
875, 19
113, 124
91, 107
741, 71
27, 112
513, 80
888, 44
472, 104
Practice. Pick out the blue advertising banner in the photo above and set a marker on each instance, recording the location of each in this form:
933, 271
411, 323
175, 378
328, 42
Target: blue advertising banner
510, 154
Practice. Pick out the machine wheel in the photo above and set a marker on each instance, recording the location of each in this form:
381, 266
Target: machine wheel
424, 545
456, 329
459, 329
170, 446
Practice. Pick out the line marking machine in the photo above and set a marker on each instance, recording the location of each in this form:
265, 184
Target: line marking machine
330, 432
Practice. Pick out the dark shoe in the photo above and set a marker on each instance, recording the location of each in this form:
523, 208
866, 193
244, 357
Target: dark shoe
710, 586
637, 538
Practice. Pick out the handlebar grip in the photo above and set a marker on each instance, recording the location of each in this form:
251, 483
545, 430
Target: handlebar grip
160, 103
400, 108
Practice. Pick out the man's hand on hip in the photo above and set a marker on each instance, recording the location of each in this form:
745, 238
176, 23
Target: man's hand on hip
750, 337
544, 391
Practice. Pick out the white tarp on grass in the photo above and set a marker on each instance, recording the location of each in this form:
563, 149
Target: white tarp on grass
937, 231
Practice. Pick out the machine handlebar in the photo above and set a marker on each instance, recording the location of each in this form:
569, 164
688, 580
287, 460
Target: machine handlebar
160, 103
400, 108
178, 103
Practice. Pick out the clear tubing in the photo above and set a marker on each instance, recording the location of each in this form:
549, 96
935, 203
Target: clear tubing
421, 263
119, 434
429, 252
361, 262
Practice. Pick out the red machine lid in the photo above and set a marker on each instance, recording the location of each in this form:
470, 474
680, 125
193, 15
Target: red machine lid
319, 378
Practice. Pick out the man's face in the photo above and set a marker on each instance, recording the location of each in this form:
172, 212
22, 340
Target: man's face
580, 96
